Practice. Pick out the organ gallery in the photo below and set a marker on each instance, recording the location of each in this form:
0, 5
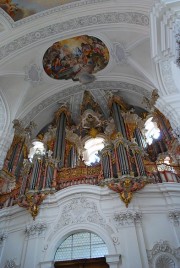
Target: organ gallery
125, 151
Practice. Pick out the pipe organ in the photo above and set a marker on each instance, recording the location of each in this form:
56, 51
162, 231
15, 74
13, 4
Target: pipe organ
127, 163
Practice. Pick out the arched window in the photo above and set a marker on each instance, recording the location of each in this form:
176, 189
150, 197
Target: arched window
152, 130
92, 147
37, 148
83, 245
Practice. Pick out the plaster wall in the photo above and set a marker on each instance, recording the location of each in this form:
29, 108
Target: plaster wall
128, 233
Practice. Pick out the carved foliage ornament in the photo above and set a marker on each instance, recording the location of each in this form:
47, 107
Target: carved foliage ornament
164, 261
33, 74
81, 210
161, 253
10, 264
126, 186
128, 217
35, 229
174, 217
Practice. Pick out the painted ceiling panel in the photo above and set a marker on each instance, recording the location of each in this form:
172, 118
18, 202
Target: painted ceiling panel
76, 58
19, 9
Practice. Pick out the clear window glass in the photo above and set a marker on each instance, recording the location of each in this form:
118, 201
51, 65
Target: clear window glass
151, 130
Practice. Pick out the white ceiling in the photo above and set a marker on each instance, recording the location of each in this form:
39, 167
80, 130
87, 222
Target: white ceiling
23, 96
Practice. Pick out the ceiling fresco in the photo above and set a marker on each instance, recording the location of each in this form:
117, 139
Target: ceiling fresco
77, 58
19, 9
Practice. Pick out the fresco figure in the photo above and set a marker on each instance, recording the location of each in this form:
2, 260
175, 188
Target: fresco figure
20, 9
77, 58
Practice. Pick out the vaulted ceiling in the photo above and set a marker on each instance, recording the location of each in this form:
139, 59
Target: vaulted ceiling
123, 26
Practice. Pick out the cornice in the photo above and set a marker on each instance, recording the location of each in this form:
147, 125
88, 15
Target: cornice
84, 22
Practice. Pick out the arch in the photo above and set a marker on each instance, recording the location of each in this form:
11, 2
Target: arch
165, 260
81, 245
4, 114
42, 103
56, 237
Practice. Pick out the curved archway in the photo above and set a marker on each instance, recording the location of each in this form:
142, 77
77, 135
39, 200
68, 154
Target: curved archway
81, 245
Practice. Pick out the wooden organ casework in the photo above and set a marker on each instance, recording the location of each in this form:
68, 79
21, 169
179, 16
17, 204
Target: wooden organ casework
120, 155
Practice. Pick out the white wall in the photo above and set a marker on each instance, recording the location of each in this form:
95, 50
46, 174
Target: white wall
128, 233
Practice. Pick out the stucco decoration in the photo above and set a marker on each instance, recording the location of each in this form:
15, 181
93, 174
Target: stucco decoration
166, 72
81, 210
70, 25
163, 254
128, 217
174, 217
76, 58
35, 229
24, 8
23, 11
119, 53
164, 261
10, 264
3, 237
33, 74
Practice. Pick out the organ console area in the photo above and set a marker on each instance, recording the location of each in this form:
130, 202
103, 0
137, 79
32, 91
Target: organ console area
126, 151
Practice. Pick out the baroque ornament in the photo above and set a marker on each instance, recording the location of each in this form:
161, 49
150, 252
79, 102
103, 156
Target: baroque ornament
164, 261
126, 186
81, 210
166, 71
167, 253
33, 74
81, 22
119, 53
128, 217
174, 216
35, 229
3, 237
60, 8
10, 264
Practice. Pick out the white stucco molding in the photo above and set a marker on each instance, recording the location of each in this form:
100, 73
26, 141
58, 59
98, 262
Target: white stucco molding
11, 264
128, 218
163, 254
48, 12
174, 217
54, 239
113, 260
167, 77
79, 212
36, 229
82, 23
164, 21
169, 106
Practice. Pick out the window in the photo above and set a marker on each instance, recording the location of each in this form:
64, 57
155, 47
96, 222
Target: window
83, 245
151, 130
37, 148
92, 147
